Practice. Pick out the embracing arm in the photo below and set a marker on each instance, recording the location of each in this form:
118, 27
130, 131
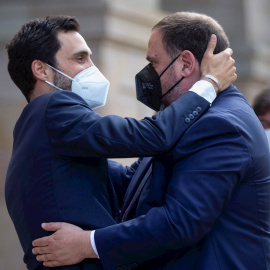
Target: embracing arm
201, 185
75, 130
194, 200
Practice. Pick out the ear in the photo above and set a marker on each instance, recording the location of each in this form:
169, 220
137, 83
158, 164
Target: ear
188, 63
40, 70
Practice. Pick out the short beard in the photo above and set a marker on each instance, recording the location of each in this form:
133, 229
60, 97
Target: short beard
62, 82
175, 93
169, 97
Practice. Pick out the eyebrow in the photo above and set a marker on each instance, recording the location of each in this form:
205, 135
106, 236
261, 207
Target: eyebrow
82, 52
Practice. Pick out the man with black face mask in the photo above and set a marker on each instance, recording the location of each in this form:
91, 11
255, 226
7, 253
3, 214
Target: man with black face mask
148, 86
203, 205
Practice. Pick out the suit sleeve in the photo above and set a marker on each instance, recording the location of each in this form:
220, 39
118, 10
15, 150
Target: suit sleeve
75, 130
208, 169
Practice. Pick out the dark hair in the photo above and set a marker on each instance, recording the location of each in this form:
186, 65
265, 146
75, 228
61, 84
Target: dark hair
191, 31
36, 40
262, 102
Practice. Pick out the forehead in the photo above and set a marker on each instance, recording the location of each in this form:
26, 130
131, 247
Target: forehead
71, 43
156, 49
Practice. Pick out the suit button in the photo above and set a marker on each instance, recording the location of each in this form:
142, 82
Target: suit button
187, 120
198, 109
195, 113
191, 116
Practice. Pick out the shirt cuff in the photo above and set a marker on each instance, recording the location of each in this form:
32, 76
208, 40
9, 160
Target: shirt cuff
204, 89
92, 240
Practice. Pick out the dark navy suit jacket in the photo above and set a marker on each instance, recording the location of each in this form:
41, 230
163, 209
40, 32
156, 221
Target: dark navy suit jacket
59, 172
205, 205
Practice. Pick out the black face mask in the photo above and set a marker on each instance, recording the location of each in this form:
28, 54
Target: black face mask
148, 86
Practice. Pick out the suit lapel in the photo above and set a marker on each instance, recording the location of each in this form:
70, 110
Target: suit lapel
136, 184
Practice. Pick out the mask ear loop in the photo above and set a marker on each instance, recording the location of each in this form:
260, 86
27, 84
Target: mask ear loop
172, 87
54, 85
59, 71
170, 64
165, 70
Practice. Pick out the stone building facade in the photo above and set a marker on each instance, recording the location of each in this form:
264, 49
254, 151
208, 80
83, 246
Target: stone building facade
117, 32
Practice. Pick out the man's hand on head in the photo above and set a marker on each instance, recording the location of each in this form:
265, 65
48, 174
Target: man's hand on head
220, 66
68, 245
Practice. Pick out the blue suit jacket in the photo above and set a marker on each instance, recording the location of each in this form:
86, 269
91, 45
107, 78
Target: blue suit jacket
207, 204
58, 170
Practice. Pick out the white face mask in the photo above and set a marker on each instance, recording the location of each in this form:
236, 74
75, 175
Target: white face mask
267, 132
90, 84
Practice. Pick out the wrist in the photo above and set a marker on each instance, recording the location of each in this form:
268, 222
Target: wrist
87, 249
215, 83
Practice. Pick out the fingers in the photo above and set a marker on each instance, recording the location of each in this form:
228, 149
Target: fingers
40, 250
229, 74
234, 77
229, 51
227, 55
44, 258
48, 261
52, 264
52, 226
41, 242
211, 45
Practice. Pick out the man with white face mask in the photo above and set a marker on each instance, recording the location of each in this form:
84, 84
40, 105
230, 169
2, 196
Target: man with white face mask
58, 170
90, 84
261, 107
